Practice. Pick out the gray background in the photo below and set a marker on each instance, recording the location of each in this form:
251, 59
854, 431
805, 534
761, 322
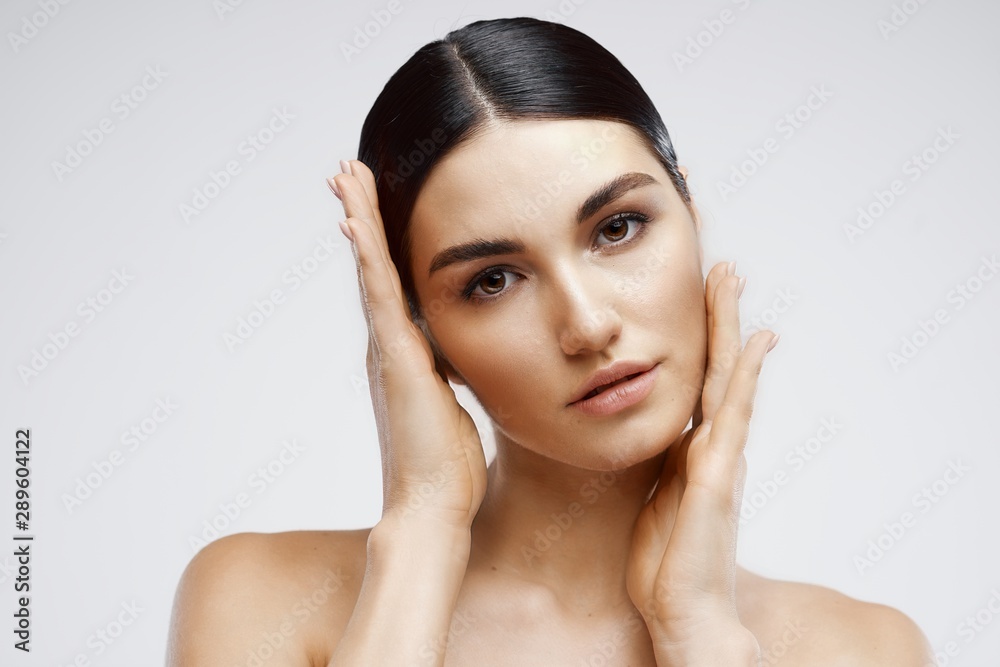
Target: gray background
301, 375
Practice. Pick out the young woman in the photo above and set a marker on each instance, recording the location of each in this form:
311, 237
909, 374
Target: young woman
521, 226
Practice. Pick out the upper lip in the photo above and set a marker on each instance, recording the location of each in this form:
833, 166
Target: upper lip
609, 374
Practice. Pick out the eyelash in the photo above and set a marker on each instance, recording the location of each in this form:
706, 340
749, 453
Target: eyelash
641, 218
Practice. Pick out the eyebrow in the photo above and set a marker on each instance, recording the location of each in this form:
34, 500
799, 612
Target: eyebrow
479, 248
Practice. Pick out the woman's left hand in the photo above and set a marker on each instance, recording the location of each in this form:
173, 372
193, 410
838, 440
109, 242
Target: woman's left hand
682, 566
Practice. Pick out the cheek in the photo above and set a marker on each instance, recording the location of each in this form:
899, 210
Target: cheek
692, 348
672, 316
668, 293
495, 359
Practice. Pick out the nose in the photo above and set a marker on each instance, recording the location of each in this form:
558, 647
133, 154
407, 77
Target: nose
585, 308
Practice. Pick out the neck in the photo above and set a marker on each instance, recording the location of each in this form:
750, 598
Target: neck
565, 528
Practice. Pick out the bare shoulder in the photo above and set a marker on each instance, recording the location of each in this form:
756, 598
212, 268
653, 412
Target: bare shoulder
806, 624
282, 597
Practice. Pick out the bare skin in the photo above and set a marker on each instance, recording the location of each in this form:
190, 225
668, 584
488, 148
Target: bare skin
555, 553
242, 587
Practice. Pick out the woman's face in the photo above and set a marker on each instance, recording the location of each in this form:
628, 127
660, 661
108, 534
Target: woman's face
575, 251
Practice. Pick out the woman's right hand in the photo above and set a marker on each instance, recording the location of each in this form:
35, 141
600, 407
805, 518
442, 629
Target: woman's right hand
433, 465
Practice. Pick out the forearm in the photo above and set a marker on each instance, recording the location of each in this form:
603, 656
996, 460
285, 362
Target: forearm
408, 595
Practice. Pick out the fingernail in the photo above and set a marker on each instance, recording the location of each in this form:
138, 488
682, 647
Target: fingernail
347, 230
740, 286
333, 186
774, 341
345, 166
731, 268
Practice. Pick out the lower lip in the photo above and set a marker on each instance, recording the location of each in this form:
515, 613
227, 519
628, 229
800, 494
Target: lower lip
620, 396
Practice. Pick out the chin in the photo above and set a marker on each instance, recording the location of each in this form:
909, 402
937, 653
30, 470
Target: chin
654, 429
643, 449
625, 444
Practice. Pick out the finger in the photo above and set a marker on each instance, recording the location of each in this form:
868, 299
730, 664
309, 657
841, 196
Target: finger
726, 344
365, 176
665, 505
674, 477
358, 203
390, 329
675, 461
715, 275
719, 455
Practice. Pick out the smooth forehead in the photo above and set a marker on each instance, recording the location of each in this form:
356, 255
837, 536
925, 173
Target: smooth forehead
491, 184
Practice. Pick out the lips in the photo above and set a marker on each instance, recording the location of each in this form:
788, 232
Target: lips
595, 392
609, 376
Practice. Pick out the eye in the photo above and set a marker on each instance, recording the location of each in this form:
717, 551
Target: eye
495, 275
616, 225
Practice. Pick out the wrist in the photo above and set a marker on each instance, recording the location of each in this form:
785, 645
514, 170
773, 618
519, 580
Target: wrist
421, 538
729, 647
420, 562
